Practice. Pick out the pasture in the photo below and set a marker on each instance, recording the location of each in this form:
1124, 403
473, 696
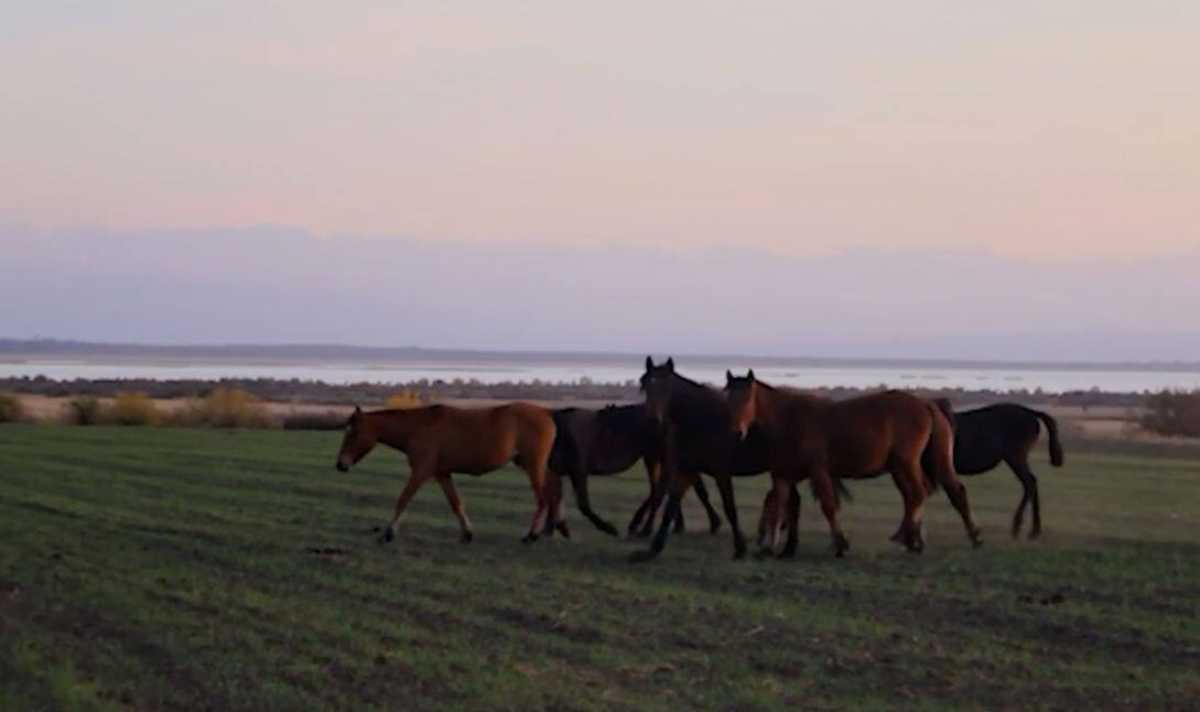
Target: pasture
191, 569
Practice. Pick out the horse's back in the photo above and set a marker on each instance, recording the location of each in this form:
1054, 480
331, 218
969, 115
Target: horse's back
987, 435
873, 432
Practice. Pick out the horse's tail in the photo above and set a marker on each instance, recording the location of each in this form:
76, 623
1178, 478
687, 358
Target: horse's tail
938, 459
947, 409
1056, 450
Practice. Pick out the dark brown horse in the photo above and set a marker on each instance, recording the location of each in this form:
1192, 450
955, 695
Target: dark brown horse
1004, 432
606, 442
440, 440
696, 437
820, 439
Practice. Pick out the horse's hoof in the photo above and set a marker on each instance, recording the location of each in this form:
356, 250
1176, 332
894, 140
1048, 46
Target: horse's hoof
642, 555
608, 529
529, 538
789, 552
898, 536
564, 530
387, 536
466, 537
764, 553
840, 545
714, 526
739, 553
1037, 532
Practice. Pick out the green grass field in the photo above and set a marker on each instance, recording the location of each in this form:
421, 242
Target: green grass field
158, 568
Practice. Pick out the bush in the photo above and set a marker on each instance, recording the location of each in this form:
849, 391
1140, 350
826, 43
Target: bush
329, 420
1173, 413
133, 409
227, 408
84, 411
11, 409
405, 399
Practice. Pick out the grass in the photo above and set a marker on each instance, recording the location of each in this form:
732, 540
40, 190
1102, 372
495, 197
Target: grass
193, 569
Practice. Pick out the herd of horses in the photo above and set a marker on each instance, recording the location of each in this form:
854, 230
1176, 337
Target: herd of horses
686, 429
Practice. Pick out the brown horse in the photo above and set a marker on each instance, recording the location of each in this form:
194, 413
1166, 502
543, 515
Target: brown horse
440, 440
859, 438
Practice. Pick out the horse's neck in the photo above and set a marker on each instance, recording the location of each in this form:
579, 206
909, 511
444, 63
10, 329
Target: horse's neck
396, 427
773, 406
691, 396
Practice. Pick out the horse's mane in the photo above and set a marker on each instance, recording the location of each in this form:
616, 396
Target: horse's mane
692, 389
795, 395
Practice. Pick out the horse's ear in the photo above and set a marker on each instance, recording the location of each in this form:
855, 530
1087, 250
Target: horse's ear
728, 377
670, 364
750, 374
649, 363
357, 410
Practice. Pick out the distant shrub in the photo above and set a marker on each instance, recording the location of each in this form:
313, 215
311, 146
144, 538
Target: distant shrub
226, 408
405, 399
1173, 413
329, 420
133, 409
83, 411
11, 409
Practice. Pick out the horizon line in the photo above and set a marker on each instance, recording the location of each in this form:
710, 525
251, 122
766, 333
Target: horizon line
11, 346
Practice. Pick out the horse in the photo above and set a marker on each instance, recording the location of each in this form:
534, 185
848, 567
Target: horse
695, 437
606, 442
441, 440
858, 438
1004, 432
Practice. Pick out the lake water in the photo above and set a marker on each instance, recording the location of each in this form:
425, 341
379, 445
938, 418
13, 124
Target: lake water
994, 378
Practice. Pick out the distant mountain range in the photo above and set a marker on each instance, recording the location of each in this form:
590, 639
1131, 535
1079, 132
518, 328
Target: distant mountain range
33, 349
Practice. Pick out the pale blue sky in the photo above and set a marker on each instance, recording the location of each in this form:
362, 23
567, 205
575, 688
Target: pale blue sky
1060, 135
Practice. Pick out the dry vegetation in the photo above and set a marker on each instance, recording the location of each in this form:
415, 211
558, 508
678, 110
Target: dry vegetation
1174, 414
11, 409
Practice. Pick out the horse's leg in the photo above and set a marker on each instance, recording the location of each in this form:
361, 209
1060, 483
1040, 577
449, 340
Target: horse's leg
657, 493
652, 472
1020, 468
764, 517
678, 520
679, 484
793, 525
456, 505
725, 487
561, 516
957, 492
714, 521
904, 533
555, 512
826, 494
779, 514
418, 475
542, 499
579, 480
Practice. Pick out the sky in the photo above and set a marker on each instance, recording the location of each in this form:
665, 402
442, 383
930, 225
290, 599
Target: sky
908, 179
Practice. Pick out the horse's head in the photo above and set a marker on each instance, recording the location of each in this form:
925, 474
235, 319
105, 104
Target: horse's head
739, 393
656, 383
360, 437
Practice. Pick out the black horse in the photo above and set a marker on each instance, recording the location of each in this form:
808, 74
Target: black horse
696, 436
1004, 432
607, 442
